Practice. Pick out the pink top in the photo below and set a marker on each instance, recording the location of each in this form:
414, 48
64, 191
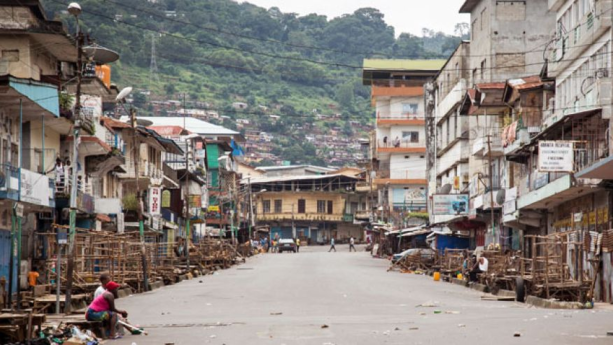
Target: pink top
100, 304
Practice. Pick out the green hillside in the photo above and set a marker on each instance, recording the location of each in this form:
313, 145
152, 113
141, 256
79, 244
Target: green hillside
220, 52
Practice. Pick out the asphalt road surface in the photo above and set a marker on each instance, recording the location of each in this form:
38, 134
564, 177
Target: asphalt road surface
316, 297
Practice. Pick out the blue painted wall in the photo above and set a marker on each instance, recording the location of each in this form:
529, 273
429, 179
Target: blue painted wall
443, 242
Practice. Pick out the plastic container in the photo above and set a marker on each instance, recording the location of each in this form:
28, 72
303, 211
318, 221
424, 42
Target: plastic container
437, 276
460, 276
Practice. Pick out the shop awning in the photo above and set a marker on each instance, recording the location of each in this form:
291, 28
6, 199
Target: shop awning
37, 98
603, 170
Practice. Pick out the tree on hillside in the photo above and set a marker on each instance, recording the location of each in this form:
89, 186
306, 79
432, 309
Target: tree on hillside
408, 46
344, 95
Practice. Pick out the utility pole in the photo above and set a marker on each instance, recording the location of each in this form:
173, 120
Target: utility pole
293, 225
187, 216
139, 198
187, 201
73, 178
17, 213
489, 158
251, 220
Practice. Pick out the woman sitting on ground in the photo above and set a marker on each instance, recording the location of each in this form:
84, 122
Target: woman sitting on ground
103, 309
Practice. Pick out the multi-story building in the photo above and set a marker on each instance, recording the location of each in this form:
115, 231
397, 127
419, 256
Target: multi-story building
508, 39
35, 53
314, 208
449, 147
400, 138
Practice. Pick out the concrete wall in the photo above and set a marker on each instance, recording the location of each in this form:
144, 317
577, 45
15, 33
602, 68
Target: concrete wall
20, 59
409, 166
502, 31
52, 145
291, 198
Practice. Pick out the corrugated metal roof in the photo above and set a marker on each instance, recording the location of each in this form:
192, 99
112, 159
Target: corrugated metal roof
297, 178
191, 124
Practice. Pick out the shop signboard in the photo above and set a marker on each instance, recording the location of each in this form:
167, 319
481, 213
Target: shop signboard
155, 204
556, 156
450, 204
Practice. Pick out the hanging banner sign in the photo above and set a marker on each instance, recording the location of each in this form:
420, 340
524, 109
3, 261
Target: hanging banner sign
155, 196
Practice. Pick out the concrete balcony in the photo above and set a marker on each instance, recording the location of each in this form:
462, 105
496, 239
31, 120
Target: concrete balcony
481, 148
556, 192
451, 100
146, 170
578, 39
453, 156
403, 120
397, 91
595, 96
402, 147
301, 216
365, 187
363, 215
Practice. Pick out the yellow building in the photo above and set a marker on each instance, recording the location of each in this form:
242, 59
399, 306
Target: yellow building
314, 208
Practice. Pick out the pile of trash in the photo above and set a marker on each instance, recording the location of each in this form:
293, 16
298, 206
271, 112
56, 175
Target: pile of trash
58, 335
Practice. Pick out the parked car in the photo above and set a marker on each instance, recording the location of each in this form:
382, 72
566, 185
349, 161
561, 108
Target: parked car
286, 245
427, 254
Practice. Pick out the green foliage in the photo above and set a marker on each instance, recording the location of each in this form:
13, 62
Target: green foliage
420, 215
345, 95
65, 100
130, 203
205, 51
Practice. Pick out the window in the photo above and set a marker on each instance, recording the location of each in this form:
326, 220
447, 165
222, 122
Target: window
330, 209
278, 206
353, 207
409, 108
411, 136
321, 206
265, 206
301, 206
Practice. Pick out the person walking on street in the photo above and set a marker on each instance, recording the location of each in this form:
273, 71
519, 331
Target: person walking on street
297, 245
352, 244
332, 245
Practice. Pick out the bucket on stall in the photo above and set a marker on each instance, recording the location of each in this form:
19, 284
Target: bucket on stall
437, 276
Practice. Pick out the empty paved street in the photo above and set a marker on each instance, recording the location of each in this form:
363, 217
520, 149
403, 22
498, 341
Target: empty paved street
317, 297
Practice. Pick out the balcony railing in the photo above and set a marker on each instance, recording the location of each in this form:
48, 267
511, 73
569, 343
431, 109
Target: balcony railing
146, 170
402, 143
301, 216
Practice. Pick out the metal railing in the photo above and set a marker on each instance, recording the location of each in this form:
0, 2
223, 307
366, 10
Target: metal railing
401, 143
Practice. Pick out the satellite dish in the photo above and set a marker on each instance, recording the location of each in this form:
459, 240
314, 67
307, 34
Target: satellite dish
446, 189
74, 9
100, 54
123, 94
143, 122
500, 196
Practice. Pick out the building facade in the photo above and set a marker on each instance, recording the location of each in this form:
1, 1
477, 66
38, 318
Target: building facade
399, 140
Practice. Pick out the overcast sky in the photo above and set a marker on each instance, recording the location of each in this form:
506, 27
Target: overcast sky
404, 15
